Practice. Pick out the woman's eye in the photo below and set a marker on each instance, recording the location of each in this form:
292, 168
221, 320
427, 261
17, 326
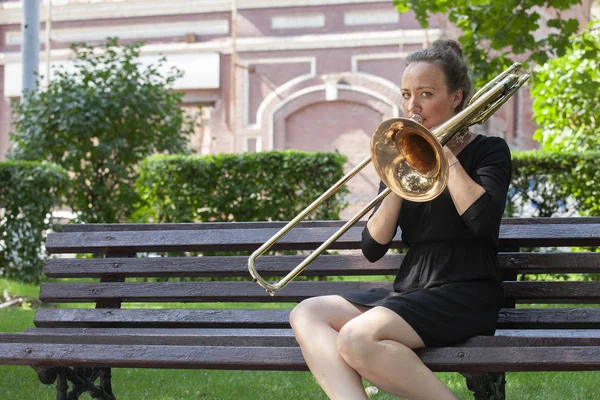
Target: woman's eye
406, 95
426, 94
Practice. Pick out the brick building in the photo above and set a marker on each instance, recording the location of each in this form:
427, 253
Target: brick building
309, 74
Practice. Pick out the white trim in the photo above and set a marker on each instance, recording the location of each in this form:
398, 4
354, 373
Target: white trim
318, 88
374, 17
73, 10
377, 79
299, 79
304, 42
355, 59
312, 61
295, 21
329, 41
124, 32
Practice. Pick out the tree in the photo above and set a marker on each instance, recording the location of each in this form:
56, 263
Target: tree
99, 121
567, 94
496, 30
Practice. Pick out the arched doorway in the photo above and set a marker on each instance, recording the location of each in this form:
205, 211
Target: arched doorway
316, 128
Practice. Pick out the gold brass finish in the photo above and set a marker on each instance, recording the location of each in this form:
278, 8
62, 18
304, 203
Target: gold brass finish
408, 158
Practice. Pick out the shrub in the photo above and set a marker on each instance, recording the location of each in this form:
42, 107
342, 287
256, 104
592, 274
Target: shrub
546, 184
28, 193
99, 121
265, 186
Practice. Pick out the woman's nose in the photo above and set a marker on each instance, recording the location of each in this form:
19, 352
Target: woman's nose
414, 105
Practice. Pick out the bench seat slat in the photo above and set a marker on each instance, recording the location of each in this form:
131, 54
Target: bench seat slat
559, 318
464, 359
525, 235
523, 292
276, 337
237, 266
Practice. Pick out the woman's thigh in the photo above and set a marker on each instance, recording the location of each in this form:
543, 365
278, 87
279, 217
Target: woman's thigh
381, 323
333, 310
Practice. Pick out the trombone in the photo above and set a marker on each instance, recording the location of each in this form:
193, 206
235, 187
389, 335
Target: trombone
408, 158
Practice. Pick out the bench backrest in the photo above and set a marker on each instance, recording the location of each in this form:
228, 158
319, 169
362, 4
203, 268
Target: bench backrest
129, 251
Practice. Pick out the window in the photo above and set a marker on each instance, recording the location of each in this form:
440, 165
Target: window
295, 21
371, 17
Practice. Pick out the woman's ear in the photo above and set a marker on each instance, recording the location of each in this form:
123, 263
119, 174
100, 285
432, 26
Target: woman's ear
457, 98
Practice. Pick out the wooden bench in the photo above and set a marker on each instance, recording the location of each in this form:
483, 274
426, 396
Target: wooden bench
80, 345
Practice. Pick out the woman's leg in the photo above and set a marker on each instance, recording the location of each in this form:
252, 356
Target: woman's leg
378, 345
316, 323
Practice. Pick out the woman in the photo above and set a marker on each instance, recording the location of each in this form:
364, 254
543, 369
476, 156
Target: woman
448, 287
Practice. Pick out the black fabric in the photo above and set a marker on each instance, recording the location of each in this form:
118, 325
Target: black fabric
449, 286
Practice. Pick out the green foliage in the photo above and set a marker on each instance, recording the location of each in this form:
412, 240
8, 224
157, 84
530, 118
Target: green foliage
567, 95
546, 184
265, 186
493, 31
99, 121
28, 193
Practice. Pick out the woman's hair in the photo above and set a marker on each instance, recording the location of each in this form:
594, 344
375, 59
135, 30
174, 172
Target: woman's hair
448, 55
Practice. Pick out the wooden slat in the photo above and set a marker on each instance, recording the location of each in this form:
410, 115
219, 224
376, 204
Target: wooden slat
173, 337
550, 318
182, 226
522, 292
269, 266
190, 240
226, 266
553, 292
462, 359
155, 318
511, 235
275, 337
192, 291
550, 263
280, 224
522, 318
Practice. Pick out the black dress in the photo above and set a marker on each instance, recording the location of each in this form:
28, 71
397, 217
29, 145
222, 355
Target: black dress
449, 286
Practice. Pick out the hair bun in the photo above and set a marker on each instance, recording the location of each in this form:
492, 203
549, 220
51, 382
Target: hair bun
448, 44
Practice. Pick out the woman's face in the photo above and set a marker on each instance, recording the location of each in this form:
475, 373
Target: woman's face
424, 92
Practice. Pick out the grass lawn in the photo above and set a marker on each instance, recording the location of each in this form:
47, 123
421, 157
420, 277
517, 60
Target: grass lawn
20, 383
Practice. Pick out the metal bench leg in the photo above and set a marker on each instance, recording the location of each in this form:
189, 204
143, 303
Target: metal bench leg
106, 383
61, 384
82, 380
487, 385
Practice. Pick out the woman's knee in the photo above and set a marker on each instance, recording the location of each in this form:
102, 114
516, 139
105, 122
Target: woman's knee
307, 314
332, 310
354, 344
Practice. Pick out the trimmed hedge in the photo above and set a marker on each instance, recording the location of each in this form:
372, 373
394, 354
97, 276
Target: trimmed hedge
28, 193
266, 186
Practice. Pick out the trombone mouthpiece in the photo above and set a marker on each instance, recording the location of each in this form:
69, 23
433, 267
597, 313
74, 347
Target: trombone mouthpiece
417, 118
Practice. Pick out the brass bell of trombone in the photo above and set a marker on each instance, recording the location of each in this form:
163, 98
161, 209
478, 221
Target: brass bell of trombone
408, 158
